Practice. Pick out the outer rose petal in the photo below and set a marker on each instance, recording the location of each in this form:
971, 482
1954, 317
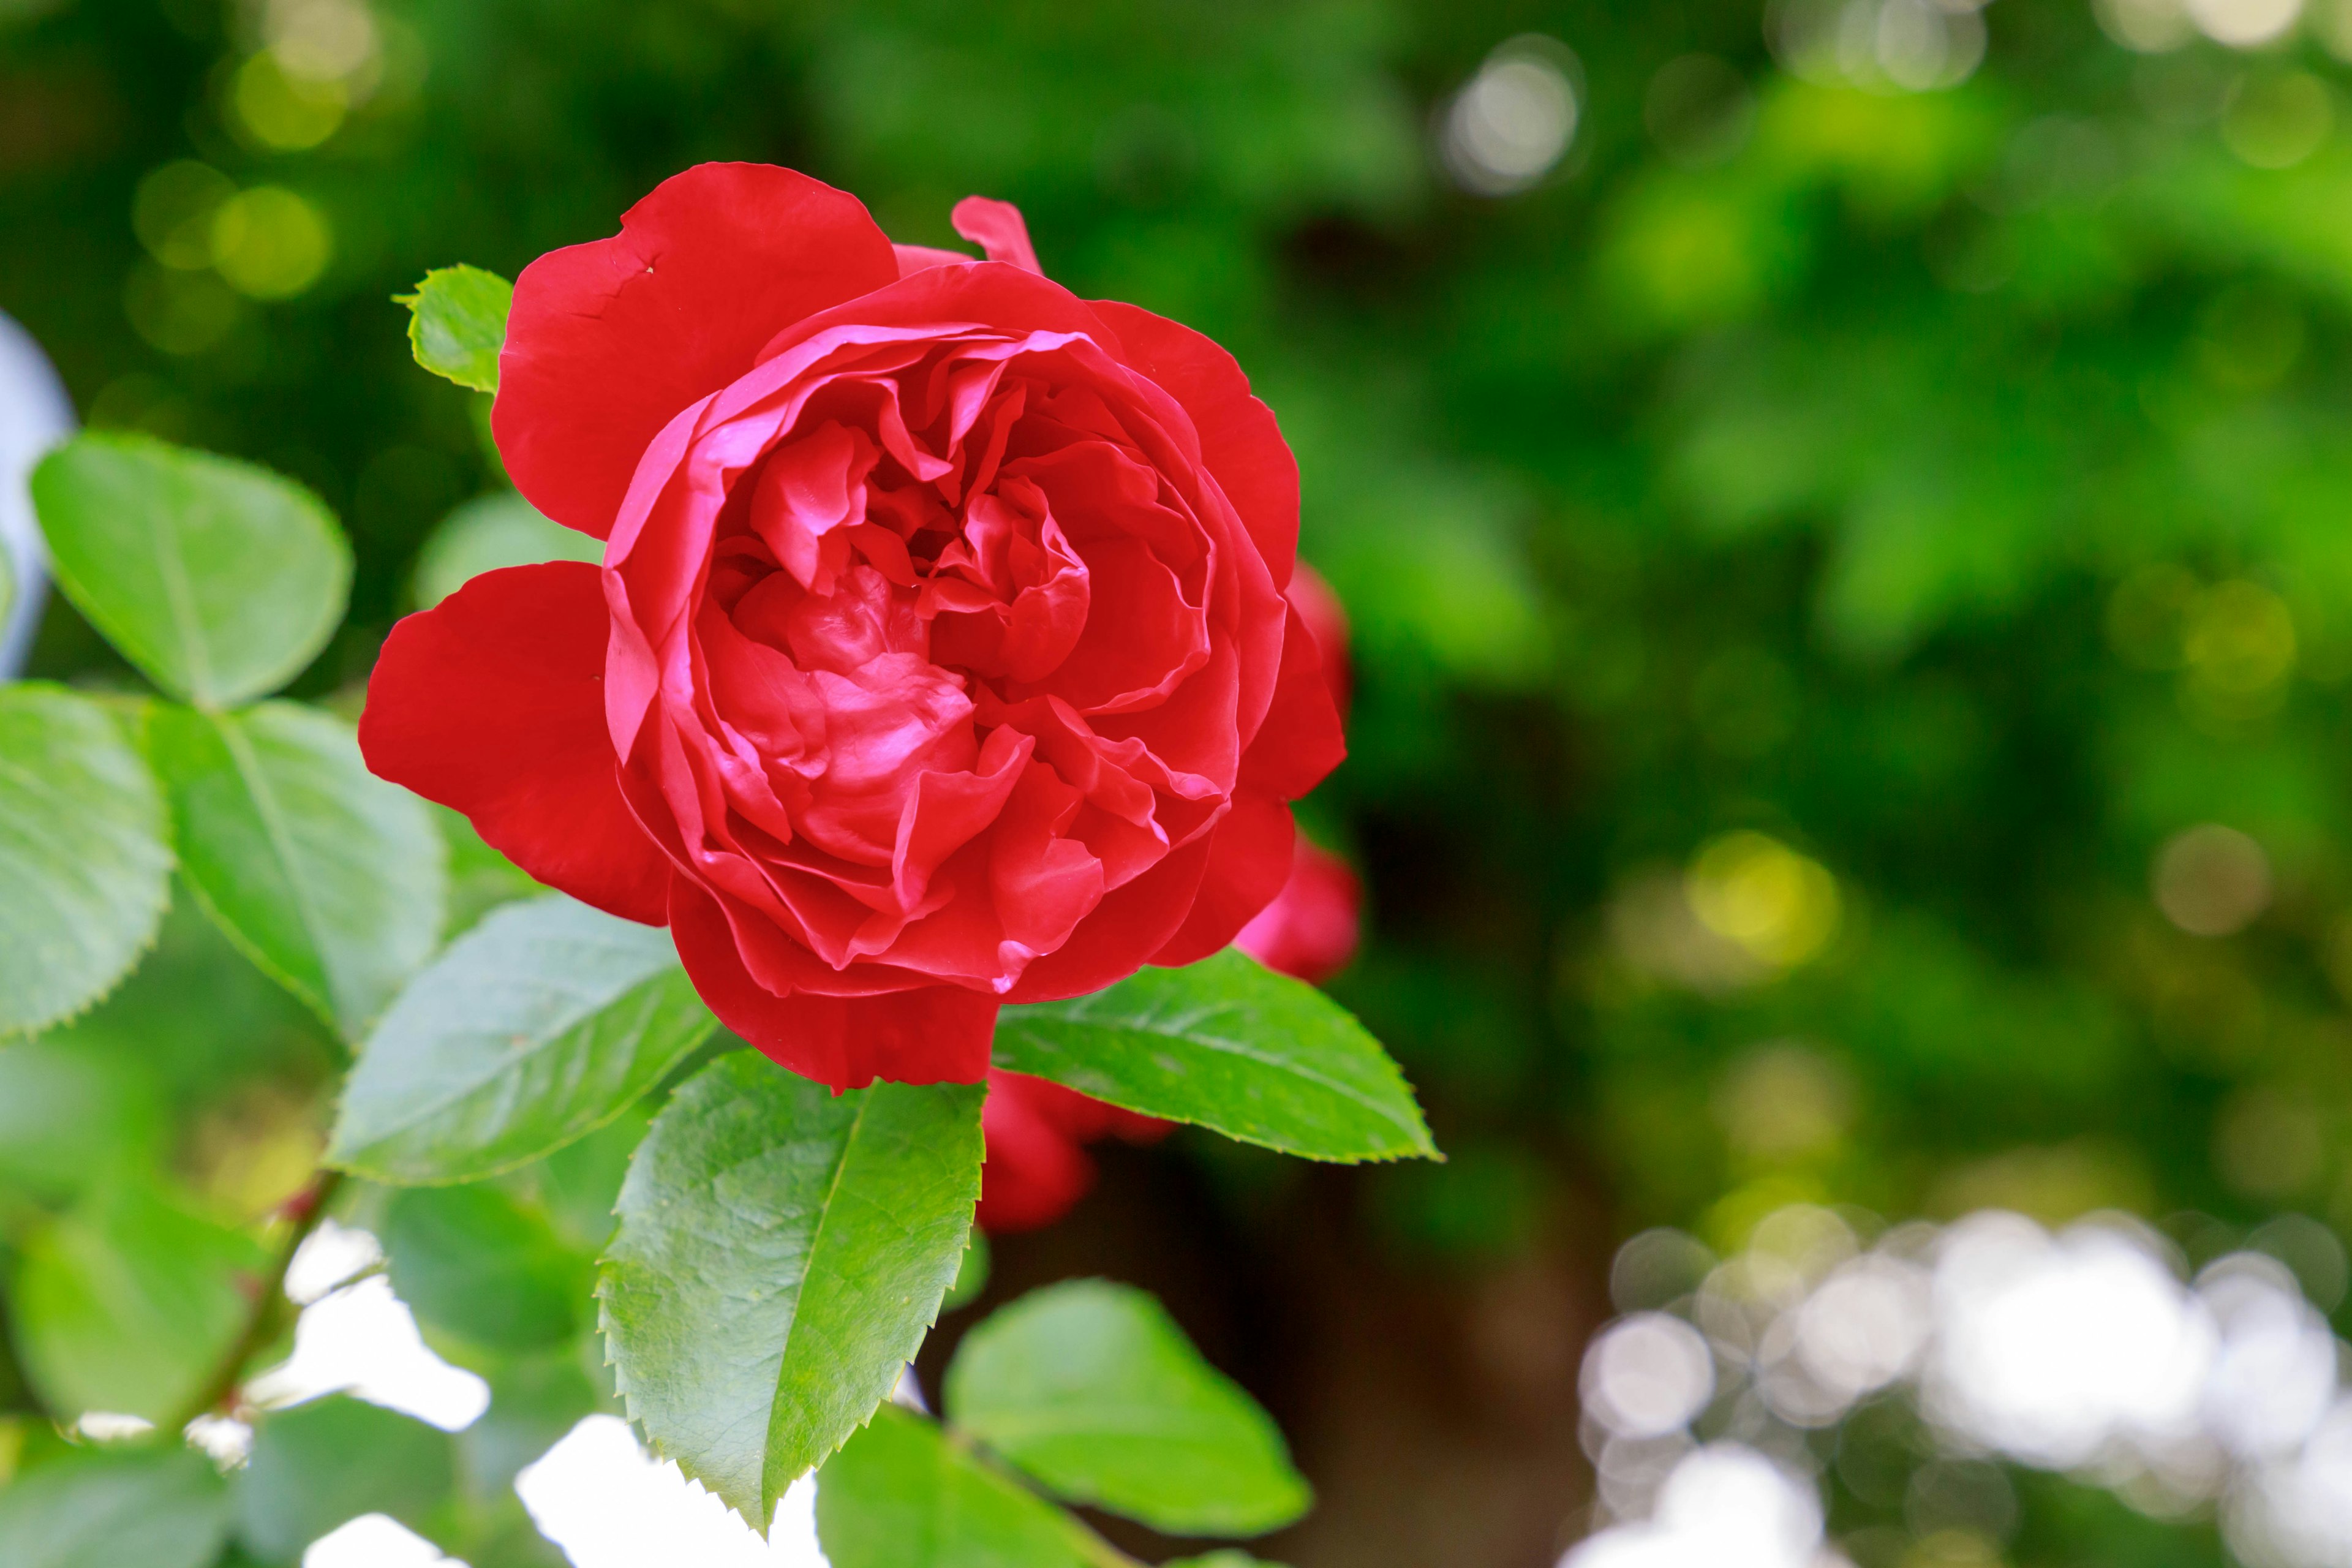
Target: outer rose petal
608, 339
1300, 741
937, 1034
1239, 440
492, 702
1327, 619
1311, 929
1249, 860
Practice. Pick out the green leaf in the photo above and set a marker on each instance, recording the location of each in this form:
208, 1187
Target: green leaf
901, 1496
1091, 1389
782, 1251
330, 879
471, 1262
540, 1025
127, 1304
74, 1114
488, 532
157, 1507
85, 871
318, 1467
458, 323
219, 579
8, 582
1229, 1045
1229, 1558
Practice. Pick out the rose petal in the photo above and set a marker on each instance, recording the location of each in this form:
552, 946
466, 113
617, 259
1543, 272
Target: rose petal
937, 1034
492, 702
1035, 1171
1301, 740
917, 257
998, 228
608, 340
1240, 441
1132, 922
1249, 860
1311, 929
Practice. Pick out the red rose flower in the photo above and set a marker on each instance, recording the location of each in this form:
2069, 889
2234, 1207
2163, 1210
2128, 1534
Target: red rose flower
1037, 1131
939, 657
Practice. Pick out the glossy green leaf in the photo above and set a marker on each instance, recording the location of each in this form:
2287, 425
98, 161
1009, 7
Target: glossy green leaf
127, 1305
330, 879
219, 579
541, 1024
155, 1508
901, 1496
85, 870
1229, 1045
1093, 1390
471, 1262
320, 1466
458, 323
487, 533
782, 1251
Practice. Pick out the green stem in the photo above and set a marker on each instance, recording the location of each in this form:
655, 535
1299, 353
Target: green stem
268, 1314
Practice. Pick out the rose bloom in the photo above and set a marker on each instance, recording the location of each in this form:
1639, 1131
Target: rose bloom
939, 657
1038, 1167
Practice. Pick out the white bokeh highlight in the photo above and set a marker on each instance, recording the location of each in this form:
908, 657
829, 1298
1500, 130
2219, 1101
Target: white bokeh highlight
2084, 1351
609, 1504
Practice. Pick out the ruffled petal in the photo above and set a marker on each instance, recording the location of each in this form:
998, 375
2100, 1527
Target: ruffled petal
998, 228
608, 340
1133, 922
937, 1034
492, 702
1249, 860
1240, 441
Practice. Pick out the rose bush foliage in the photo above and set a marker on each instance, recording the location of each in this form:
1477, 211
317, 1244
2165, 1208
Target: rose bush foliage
940, 656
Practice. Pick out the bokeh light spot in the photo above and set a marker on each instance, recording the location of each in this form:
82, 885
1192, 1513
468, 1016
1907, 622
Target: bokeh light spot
269, 242
1514, 119
1780, 906
2211, 880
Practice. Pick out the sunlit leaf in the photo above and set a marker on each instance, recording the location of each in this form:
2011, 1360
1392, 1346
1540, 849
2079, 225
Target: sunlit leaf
901, 1496
332, 881
539, 1025
1229, 1045
1091, 1389
219, 579
782, 1251
128, 1303
84, 868
320, 1466
156, 1508
458, 323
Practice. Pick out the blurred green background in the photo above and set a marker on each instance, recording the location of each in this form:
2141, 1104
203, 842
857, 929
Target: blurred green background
1849, 564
